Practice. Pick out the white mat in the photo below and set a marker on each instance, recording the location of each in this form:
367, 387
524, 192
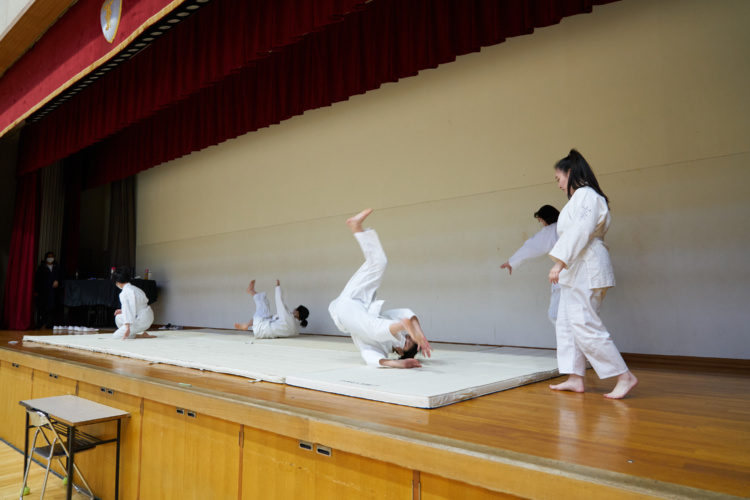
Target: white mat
332, 364
442, 380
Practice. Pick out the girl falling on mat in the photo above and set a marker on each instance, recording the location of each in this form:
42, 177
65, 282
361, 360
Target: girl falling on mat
376, 334
266, 326
136, 315
536, 246
584, 271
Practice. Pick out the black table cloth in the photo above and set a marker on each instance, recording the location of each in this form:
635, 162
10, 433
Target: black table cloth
102, 292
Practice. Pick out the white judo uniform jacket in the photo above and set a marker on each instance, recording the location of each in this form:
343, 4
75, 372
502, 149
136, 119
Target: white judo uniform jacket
581, 227
536, 246
266, 326
581, 334
135, 311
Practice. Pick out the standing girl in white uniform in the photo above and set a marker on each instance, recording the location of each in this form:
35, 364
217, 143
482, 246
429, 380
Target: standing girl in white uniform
286, 323
376, 334
536, 246
584, 271
136, 315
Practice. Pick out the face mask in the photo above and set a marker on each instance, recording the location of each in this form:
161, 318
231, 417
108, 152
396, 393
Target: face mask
50, 259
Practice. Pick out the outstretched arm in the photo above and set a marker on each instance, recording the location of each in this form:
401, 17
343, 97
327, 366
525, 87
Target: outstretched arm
280, 305
536, 246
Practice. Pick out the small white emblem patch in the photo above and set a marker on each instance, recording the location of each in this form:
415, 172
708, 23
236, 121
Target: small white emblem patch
110, 18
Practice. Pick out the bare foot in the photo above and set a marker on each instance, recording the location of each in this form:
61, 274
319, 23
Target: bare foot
243, 326
251, 288
355, 223
625, 384
145, 335
573, 384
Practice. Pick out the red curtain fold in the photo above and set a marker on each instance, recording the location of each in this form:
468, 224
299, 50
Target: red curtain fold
19, 281
388, 41
72, 215
225, 40
221, 38
69, 47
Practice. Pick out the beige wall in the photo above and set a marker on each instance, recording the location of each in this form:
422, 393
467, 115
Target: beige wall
456, 160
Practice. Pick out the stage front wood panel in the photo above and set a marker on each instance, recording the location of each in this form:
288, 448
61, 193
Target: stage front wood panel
188, 455
276, 466
99, 464
15, 386
438, 488
194, 434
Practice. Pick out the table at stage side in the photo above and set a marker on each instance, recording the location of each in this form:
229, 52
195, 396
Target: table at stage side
74, 412
92, 302
102, 292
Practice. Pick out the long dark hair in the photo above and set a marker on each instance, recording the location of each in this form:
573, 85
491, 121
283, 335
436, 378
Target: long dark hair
579, 173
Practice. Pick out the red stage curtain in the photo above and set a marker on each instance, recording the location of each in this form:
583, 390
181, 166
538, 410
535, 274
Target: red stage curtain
221, 38
71, 215
69, 47
19, 281
237, 66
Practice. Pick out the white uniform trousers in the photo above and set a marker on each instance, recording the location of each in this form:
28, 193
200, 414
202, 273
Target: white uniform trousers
581, 335
142, 323
354, 310
262, 308
554, 303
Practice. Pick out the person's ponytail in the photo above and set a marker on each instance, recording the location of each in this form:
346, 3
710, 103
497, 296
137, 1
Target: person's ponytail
303, 313
579, 173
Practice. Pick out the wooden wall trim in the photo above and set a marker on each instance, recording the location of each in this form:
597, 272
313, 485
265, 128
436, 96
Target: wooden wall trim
694, 363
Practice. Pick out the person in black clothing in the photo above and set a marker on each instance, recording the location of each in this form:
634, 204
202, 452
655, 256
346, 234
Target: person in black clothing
46, 285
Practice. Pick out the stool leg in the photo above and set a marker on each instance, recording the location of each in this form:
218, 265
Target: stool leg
28, 460
49, 465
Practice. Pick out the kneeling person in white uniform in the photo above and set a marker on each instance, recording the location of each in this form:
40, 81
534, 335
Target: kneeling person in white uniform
376, 334
286, 323
136, 315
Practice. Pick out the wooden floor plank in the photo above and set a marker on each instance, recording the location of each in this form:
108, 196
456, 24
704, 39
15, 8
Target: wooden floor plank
11, 478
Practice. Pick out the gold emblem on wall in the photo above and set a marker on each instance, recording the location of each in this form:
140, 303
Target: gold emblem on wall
110, 18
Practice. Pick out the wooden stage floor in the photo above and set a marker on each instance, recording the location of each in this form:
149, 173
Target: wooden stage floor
684, 432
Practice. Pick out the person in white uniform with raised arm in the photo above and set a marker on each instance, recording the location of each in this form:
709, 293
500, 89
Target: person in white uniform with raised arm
536, 246
356, 312
286, 323
136, 315
584, 271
